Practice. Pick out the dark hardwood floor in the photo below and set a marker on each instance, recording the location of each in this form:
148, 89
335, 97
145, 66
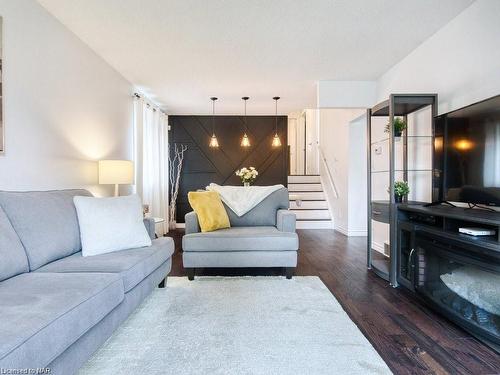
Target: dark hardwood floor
411, 338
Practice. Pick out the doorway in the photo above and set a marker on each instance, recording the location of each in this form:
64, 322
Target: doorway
303, 142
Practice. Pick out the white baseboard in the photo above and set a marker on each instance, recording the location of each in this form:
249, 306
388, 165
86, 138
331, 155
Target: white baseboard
180, 225
327, 224
341, 230
351, 233
378, 247
357, 233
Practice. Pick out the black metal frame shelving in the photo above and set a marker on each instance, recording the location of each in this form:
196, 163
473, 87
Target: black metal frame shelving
398, 105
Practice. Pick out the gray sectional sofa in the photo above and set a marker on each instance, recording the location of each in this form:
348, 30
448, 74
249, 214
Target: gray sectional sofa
263, 237
57, 307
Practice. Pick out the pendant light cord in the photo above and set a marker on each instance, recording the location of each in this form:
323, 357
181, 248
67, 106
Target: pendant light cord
276, 116
245, 98
213, 117
276, 98
246, 127
213, 99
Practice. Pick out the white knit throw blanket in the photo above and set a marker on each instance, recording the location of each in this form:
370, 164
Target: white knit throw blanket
242, 199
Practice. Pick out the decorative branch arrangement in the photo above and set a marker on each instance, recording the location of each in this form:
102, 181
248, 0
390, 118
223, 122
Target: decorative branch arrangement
175, 160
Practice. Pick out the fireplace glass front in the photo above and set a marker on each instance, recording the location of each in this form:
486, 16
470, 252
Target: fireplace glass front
462, 284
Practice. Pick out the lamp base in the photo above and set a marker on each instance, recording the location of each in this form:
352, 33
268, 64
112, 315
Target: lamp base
117, 193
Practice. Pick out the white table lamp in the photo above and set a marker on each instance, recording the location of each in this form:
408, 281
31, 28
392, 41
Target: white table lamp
116, 172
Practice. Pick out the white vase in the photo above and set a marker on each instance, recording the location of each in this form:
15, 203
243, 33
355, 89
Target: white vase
246, 184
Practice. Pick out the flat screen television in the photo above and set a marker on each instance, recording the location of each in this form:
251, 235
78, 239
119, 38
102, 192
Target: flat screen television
467, 154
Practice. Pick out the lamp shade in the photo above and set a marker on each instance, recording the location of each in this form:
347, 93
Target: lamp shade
116, 172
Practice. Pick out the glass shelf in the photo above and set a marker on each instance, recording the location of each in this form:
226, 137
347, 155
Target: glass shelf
408, 136
402, 170
381, 266
412, 149
404, 104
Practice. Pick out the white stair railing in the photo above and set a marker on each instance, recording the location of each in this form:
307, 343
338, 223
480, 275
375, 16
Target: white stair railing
329, 173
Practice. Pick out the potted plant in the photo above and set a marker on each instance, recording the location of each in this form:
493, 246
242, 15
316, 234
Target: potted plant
401, 189
399, 125
247, 175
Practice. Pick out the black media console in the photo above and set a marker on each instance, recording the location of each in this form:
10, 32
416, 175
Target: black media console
456, 274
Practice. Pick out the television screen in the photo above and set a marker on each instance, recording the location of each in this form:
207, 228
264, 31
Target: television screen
467, 154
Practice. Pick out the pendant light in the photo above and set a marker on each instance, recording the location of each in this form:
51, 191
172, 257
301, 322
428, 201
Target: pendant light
276, 138
245, 141
214, 143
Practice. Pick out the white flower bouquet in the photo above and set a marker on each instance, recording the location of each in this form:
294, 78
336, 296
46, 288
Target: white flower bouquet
247, 175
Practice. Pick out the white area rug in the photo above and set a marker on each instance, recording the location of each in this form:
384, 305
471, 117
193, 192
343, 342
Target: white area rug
238, 325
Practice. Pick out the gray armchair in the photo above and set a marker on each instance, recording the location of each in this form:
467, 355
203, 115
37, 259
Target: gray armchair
263, 237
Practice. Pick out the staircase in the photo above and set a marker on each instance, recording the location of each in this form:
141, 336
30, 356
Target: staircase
308, 202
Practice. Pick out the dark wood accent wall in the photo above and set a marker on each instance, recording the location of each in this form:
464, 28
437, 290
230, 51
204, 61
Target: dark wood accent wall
203, 165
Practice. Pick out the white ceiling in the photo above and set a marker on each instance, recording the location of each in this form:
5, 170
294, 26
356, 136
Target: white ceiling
181, 52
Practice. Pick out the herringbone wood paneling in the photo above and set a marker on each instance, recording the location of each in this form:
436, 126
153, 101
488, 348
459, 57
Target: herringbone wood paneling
203, 165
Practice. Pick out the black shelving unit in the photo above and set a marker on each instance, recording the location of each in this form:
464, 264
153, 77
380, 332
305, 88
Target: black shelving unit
398, 105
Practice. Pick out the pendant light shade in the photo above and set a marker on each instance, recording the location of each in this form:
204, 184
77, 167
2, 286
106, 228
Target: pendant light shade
276, 139
245, 141
214, 143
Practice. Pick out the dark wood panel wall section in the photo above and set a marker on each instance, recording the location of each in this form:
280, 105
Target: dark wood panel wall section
203, 165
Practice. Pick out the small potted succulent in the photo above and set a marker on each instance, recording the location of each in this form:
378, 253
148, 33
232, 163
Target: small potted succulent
399, 125
401, 190
247, 175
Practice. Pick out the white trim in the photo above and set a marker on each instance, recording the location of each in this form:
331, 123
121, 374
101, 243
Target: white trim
180, 225
378, 247
311, 224
358, 233
341, 230
351, 233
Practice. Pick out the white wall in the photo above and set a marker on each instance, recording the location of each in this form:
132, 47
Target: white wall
64, 106
338, 147
293, 119
357, 177
312, 142
461, 62
346, 94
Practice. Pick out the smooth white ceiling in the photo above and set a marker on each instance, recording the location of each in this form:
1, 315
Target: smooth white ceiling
181, 52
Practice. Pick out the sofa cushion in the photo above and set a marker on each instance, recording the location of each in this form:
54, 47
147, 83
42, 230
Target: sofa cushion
13, 260
264, 214
110, 224
241, 239
42, 314
132, 265
209, 209
46, 223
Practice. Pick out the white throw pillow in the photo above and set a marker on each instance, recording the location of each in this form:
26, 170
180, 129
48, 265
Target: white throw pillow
110, 224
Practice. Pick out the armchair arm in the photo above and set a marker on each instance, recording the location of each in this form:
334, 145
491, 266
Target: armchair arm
192, 225
149, 223
285, 221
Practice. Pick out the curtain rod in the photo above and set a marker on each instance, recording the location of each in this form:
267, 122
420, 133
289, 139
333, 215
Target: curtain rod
139, 96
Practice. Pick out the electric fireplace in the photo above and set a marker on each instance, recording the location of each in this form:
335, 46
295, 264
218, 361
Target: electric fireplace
462, 282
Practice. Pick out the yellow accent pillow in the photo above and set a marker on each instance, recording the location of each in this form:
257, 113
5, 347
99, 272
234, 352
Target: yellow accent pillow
210, 211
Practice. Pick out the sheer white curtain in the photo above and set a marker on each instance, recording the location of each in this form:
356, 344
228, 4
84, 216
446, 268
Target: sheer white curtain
151, 158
